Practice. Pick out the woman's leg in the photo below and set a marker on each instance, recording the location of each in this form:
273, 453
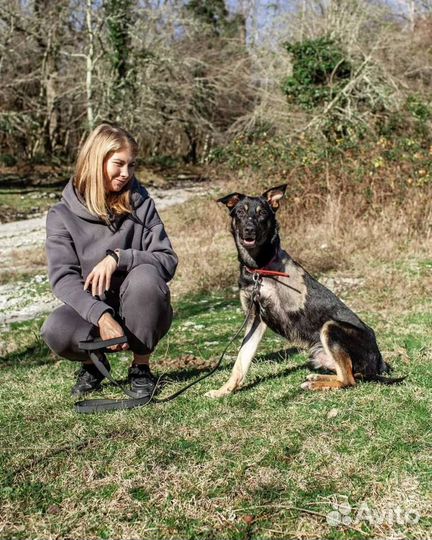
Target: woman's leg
63, 330
141, 359
145, 309
146, 314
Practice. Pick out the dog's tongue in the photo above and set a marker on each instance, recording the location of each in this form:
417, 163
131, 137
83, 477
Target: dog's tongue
249, 242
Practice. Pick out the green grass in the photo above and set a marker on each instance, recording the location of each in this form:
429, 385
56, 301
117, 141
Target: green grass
22, 202
266, 462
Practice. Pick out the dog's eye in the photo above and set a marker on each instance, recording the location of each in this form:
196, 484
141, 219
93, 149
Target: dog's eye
262, 212
241, 212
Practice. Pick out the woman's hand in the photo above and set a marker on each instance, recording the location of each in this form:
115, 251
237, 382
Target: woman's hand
100, 276
109, 328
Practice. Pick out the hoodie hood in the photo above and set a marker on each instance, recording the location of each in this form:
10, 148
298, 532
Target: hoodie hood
76, 203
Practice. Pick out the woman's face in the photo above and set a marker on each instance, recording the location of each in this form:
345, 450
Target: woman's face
119, 169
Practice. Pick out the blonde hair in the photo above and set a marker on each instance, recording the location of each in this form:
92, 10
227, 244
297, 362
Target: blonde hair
89, 171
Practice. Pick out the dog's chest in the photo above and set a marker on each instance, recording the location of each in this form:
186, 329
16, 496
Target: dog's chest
280, 300
282, 295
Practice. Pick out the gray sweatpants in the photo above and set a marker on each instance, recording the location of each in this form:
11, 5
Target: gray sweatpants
141, 302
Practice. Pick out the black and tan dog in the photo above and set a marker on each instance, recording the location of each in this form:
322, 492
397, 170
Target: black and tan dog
297, 307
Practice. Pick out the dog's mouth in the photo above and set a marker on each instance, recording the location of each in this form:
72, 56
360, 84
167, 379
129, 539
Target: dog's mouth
249, 242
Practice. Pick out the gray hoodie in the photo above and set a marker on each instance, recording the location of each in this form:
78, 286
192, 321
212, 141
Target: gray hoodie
77, 241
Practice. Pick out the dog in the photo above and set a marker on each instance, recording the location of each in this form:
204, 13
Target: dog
294, 304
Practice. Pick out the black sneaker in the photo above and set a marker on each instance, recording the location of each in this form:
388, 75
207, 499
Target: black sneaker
89, 378
142, 381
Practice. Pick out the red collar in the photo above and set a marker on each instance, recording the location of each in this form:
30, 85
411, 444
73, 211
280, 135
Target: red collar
264, 272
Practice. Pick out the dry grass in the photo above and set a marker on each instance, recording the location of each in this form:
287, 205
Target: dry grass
325, 226
22, 263
326, 233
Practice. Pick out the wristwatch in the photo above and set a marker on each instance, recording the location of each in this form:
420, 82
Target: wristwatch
114, 254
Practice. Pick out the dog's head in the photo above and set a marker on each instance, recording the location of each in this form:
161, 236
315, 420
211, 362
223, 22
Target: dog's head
254, 218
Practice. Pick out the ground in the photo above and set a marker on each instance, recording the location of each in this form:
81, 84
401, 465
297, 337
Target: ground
271, 461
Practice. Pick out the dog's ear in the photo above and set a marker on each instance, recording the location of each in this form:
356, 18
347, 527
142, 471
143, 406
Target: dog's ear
273, 195
231, 200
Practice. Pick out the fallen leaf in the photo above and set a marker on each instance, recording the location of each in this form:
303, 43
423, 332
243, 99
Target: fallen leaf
332, 413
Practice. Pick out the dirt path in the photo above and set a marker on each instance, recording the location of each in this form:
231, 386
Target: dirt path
28, 233
24, 300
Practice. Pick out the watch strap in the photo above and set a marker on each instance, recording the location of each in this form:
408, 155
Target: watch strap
112, 254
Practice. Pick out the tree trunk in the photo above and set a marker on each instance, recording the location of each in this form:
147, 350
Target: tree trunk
89, 65
49, 47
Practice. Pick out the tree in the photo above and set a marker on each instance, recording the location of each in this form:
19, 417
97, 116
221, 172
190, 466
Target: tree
121, 87
36, 40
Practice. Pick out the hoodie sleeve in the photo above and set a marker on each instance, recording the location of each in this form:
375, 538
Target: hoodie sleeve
64, 272
156, 248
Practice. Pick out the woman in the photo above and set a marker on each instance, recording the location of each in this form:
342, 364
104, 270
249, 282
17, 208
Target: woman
109, 261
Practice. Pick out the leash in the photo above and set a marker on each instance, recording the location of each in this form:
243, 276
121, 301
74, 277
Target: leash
97, 347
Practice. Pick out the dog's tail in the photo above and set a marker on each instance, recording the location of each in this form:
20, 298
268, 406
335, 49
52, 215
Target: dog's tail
389, 380
387, 368
384, 379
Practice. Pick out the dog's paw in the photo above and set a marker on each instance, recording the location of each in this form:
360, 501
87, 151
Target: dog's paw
215, 394
321, 384
312, 377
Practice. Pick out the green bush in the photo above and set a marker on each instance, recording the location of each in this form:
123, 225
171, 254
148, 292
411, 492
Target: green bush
320, 70
8, 160
418, 108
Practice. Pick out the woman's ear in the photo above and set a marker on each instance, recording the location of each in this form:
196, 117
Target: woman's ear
231, 200
273, 195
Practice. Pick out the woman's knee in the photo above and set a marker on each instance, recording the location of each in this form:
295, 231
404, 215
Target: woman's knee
62, 332
144, 283
53, 334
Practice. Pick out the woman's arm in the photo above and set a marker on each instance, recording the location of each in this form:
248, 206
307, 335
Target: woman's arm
64, 271
156, 248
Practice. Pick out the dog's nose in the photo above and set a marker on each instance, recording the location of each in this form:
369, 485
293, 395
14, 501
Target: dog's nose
249, 228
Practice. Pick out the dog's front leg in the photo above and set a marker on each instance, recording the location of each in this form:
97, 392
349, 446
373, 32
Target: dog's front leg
254, 333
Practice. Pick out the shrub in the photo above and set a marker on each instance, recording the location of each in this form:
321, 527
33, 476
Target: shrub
8, 160
320, 70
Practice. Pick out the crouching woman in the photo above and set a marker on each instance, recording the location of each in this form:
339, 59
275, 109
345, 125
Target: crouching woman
109, 261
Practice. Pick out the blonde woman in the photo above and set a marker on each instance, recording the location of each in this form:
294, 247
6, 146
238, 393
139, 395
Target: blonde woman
109, 261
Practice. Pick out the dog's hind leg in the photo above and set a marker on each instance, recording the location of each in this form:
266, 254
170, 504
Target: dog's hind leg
254, 332
334, 347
